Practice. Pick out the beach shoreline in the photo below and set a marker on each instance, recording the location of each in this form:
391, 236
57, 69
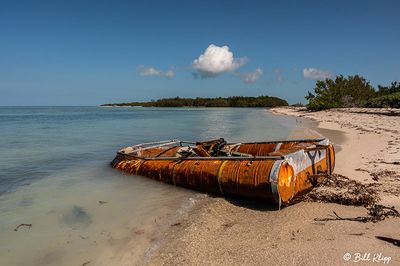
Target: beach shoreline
225, 231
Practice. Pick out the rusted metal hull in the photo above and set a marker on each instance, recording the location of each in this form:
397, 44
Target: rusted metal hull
276, 171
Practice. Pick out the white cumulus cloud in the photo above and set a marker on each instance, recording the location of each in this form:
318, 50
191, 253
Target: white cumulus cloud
314, 73
253, 76
151, 71
216, 60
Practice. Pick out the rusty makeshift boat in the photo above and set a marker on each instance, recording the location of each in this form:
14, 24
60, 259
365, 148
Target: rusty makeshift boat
274, 171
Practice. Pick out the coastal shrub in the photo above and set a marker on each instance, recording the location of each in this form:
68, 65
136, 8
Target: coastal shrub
318, 104
385, 101
352, 91
387, 90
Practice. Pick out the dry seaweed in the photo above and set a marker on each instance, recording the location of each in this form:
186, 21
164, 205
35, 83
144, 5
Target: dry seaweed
383, 174
342, 190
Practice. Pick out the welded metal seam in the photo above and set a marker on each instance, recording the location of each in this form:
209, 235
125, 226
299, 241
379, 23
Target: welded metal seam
273, 179
221, 167
278, 146
139, 164
173, 173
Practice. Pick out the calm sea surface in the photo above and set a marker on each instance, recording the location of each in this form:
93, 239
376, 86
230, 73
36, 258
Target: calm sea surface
54, 170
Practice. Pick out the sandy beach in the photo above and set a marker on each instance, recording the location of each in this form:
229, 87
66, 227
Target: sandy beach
221, 231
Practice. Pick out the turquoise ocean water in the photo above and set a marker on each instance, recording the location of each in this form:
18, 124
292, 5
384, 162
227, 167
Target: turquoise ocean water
54, 171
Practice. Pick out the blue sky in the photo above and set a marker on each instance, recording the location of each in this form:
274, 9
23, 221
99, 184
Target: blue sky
93, 52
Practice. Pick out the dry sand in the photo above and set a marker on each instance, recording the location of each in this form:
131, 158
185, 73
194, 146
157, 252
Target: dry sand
219, 231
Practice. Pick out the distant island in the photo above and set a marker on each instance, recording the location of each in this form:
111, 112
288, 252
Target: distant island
234, 101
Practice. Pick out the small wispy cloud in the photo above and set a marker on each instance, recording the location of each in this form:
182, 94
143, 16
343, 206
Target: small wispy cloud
314, 73
216, 60
279, 75
169, 74
151, 71
253, 76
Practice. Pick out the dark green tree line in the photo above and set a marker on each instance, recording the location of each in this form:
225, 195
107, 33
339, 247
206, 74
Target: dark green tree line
234, 101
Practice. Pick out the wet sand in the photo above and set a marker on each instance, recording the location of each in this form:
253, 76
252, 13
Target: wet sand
221, 231
97, 217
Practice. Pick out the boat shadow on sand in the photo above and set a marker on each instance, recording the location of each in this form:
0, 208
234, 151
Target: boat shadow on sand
252, 204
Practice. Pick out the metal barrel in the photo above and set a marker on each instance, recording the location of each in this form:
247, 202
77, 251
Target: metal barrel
267, 180
198, 175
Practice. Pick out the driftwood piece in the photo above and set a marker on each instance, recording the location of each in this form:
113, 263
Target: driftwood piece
376, 213
385, 162
176, 224
393, 241
28, 225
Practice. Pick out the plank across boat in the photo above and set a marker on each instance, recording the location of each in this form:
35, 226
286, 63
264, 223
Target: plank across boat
272, 171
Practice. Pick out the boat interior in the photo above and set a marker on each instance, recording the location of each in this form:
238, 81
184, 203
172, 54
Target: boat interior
219, 149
